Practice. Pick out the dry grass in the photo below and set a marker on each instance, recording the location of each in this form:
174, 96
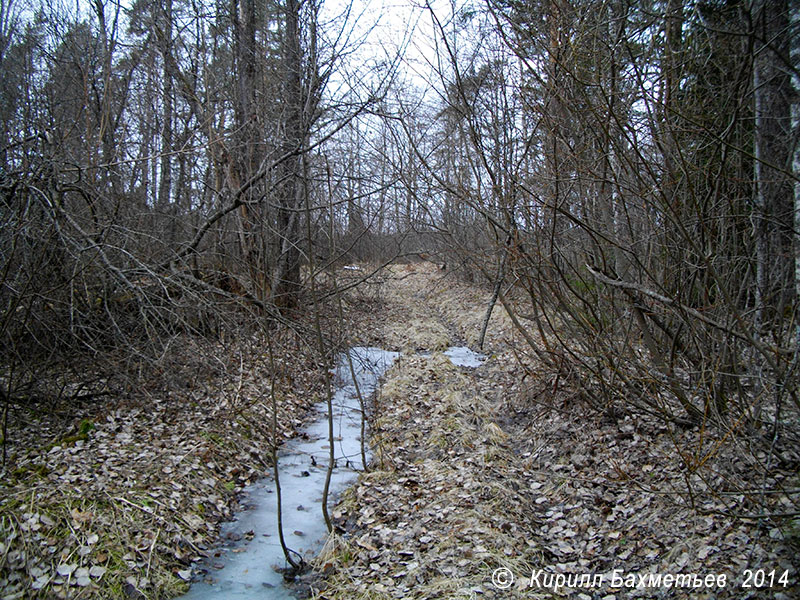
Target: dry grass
439, 520
481, 470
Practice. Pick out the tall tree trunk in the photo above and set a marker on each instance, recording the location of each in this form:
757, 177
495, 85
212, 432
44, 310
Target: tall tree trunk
286, 279
557, 93
164, 36
245, 160
774, 197
107, 116
673, 33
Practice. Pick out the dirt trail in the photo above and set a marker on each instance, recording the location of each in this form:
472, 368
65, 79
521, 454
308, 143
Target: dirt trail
480, 470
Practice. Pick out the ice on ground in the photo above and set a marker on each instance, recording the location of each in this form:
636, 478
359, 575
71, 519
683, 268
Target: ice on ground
250, 571
461, 356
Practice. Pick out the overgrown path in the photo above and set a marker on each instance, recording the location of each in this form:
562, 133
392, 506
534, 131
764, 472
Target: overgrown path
499, 467
487, 474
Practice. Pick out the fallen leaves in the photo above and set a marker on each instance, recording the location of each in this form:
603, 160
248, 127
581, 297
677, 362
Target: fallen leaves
472, 475
473, 471
125, 510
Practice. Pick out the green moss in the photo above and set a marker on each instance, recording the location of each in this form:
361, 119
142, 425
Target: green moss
28, 471
346, 556
70, 440
214, 438
85, 426
792, 532
246, 427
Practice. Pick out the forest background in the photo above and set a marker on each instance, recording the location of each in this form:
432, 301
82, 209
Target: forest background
622, 176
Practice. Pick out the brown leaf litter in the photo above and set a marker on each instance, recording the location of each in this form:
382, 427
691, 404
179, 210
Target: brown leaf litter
119, 498
479, 470
475, 471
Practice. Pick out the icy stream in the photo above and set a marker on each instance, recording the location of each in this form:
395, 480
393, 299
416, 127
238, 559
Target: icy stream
249, 571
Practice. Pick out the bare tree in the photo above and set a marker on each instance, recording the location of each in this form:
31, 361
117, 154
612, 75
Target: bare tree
635, 190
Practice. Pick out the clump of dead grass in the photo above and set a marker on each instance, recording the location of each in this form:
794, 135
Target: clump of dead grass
489, 471
439, 523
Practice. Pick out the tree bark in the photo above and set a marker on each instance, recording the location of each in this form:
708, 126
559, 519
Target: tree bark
773, 203
286, 276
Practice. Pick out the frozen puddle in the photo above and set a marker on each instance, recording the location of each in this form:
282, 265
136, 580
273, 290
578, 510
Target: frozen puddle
250, 571
461, 356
